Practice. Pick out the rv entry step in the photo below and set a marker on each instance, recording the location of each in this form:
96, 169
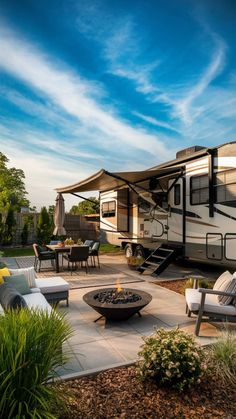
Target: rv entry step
158, 260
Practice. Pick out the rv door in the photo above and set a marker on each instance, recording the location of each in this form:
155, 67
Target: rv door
176, 212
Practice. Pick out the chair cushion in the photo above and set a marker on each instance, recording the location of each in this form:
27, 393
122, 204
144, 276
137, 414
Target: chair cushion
225, 276
37, 301
227, 286
4, 272
52, 284
29, 274
19, 282
212, 305
47, 255
10, 298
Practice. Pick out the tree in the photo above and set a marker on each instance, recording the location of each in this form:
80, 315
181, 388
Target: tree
44, 226
12, 197
86, 207
12, 187
8, 229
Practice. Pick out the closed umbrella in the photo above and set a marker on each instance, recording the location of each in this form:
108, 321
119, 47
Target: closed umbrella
59, 216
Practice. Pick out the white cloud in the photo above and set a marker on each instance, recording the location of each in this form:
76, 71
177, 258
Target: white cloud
71, 93
43, 173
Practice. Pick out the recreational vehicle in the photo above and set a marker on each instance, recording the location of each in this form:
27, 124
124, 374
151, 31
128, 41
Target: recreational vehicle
184, 207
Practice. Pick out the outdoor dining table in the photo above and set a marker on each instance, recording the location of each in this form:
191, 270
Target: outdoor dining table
59, 249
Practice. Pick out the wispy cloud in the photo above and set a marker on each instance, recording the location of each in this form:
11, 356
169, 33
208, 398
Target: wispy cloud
70, 93
183, 106
155, 122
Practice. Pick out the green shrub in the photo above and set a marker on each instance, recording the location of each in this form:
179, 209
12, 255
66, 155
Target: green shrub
25, 234
202, 283
44, 227
30, 354
223, 356
171, 357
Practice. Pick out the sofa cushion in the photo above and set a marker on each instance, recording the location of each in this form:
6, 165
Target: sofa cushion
228, 286
225, 276
10, 298
19, 282
212, 305
28, 272
52, 285
4, 272
37, 301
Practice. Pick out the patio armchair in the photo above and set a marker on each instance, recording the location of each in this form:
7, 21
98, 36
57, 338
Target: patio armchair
217, 304
94, 252
78, 254
42, 255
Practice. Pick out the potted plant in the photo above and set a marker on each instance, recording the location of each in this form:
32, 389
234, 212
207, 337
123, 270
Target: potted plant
134, 262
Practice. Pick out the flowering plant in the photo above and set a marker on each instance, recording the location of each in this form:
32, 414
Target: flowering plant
171, 357
135, 260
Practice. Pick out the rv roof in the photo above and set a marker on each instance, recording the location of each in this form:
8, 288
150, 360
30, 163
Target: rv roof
104, 180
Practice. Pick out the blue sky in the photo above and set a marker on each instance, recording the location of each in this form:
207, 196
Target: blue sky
115, 84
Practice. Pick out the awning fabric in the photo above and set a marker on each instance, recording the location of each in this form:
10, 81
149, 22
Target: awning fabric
104, 180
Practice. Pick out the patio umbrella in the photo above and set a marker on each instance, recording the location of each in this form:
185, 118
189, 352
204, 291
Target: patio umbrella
59, 216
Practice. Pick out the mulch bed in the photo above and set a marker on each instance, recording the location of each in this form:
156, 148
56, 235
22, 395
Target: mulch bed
118, 393
177, 285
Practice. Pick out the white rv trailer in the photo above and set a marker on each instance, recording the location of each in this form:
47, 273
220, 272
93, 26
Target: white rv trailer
186, 206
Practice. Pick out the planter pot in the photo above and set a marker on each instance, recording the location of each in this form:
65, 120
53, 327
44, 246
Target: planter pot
133, 267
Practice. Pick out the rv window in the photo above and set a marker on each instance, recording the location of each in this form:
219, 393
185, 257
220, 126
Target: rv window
177, 194
109, 209
225, 186
199, 190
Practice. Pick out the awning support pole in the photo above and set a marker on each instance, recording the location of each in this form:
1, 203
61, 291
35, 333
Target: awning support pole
82, 197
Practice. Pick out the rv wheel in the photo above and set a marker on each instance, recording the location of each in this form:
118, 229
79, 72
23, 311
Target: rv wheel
128, 251
139, 252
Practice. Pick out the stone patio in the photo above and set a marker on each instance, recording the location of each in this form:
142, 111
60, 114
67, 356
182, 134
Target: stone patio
105, 344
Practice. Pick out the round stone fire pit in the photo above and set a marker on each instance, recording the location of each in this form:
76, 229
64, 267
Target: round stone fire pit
117, 304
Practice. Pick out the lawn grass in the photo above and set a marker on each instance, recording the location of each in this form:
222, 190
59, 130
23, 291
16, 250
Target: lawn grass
28, 251
110, 248
20, 251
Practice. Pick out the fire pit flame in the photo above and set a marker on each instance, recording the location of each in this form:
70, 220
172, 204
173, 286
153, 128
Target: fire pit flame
118, 286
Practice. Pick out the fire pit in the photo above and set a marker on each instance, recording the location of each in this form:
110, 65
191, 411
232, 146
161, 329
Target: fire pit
117, 303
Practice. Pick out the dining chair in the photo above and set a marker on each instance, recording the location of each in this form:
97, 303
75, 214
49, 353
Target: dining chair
94, 252
78, 254
40, 255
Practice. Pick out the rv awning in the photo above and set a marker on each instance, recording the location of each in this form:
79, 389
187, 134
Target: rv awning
104, 180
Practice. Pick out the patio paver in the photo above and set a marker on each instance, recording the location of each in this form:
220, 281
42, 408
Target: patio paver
96, 346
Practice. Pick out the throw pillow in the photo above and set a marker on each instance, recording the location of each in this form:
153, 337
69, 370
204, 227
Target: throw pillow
4, 272
225, 276
10, 298
228, 286
19, 282
29, 274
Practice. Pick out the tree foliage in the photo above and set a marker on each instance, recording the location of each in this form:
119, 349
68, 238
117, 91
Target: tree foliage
44, 226
86, 207
12, 187
12, 198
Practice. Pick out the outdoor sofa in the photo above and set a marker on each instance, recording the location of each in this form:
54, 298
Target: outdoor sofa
42, 291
